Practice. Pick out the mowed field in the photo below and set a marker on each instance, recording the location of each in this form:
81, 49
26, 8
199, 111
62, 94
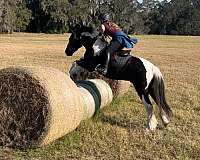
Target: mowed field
118, 131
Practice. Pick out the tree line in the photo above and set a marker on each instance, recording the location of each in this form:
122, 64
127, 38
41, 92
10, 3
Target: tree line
177, 17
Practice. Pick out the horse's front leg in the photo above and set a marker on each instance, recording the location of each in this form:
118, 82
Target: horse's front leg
151, 118
77, 72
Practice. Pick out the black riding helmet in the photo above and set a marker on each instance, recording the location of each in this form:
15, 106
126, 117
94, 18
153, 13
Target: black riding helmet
104, 17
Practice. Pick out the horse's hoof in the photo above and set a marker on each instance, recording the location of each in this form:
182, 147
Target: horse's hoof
165, 124
165, 120
149, 130
152, 123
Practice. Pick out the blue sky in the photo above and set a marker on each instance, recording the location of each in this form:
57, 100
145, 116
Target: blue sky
142, 0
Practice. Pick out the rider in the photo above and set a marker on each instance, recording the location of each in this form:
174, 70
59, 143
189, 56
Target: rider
119, 40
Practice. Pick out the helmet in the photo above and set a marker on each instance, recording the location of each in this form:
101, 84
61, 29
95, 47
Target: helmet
104, 17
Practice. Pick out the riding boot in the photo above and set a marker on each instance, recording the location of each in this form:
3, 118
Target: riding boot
103, 69
106, 64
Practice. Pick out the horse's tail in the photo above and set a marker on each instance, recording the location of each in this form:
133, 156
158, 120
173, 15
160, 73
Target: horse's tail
158, 91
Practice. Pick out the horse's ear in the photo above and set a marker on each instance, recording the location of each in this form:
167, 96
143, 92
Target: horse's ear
74, 28
71, 28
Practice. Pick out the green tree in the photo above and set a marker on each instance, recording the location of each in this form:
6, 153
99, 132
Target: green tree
14, 16
56, 15
7, 17
175, 17
187, 20
23, 16
39, 19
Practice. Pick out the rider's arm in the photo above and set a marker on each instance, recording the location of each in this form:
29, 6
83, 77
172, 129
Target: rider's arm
102, 28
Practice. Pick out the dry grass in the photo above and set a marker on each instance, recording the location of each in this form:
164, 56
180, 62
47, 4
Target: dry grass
118, 131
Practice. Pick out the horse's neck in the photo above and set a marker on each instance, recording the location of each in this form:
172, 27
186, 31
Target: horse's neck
98, 46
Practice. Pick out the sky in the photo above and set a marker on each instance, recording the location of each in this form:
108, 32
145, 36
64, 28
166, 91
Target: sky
142, 0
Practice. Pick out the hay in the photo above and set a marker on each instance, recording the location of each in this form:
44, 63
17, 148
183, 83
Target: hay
37, 106
96, 94
104, 90
89, 103
20, 121
122, 87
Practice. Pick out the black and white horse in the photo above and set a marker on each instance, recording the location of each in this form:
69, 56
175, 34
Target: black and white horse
146, 77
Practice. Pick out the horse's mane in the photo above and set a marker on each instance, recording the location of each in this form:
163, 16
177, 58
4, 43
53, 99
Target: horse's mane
89, 29
83, 28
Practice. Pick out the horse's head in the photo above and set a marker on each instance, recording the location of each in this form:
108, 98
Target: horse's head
74, 41
81, 36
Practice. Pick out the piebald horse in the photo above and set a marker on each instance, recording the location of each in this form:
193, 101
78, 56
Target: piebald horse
145, 76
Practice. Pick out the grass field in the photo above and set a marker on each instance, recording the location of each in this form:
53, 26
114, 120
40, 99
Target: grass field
118, 131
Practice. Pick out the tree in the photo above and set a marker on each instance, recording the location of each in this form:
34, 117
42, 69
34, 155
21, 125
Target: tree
8, 17
38, 20
23, 16
153, 17
56, 13
187, 17
14, 16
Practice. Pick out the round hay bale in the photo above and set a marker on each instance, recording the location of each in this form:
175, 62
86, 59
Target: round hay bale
119, 87
37, 106
106, 95
101, 95
122, 87
88, 102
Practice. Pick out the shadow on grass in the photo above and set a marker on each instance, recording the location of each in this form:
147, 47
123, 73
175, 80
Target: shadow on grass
119, 121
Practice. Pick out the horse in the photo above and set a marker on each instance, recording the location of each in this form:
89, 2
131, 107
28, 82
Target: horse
145, 76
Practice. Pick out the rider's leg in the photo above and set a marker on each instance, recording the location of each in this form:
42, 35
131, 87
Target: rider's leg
110, 50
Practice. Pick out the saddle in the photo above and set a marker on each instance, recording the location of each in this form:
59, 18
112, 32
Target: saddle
120, 58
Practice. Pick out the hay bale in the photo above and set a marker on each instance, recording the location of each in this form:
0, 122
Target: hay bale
104, 90
96, 94
37, 106
119, 87
122, 87
89, 101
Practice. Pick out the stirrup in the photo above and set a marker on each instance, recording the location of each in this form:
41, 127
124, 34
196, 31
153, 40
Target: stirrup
101, 69
97, 67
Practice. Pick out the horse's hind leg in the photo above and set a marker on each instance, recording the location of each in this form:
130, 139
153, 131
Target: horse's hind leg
151, 120
144, 96
161, 112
